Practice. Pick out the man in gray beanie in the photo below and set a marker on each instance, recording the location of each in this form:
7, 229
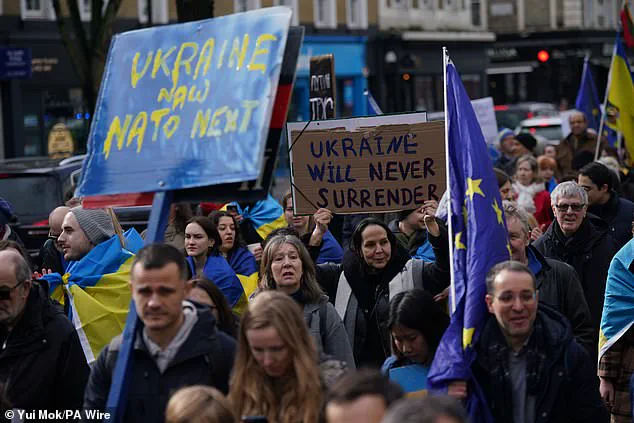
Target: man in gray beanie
82, 230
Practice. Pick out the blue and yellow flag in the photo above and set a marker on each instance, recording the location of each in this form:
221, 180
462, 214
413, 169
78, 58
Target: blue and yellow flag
479, 242
243, 263
618, 307
98, 293
621, 95
588, 99
266, 215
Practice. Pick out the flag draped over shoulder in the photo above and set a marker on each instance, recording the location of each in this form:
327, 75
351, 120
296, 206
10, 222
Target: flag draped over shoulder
243, 263
619, 298
479, 242
97, 290
621, 95
588, 99
266, 215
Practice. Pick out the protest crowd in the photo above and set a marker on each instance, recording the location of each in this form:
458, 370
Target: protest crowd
255, 312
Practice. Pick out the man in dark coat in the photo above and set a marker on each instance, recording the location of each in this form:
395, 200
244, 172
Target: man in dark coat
528, 364
557, 282
580, 141
603, 201
51, 254
42, 364
176, 345
588, 248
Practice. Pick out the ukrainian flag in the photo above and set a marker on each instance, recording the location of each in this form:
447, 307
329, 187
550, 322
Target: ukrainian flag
617, 315
243, 263
621, 94
266, 215
98, 294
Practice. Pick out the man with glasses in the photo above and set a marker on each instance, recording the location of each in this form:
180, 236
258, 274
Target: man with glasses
51, 255
42, 365
528, 364
586, 245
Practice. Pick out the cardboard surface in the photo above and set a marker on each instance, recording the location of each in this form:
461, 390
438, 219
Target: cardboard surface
374, 164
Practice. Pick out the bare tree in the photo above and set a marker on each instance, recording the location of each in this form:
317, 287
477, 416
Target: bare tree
88, 42
194, 10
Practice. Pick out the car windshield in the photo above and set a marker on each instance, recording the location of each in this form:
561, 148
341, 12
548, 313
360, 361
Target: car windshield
551, 133
510, 118
32, 197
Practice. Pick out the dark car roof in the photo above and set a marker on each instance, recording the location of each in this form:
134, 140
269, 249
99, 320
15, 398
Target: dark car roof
40, 164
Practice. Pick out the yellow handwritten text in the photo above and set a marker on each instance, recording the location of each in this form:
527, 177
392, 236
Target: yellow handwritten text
209, 123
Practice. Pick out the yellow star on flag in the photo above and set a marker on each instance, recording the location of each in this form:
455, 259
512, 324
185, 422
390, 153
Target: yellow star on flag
498, 211
467, 337
458, 242
465, 214
473, 188
508, 247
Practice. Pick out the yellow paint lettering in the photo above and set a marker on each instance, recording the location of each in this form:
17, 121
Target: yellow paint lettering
185, 62
232, 120
252, 66
156, 117
117, 131
222, 53
160, 61
205, 57
249, 105
212, 131
180, 96
135, 75
138, 131
171, 126
165, 95
238, 52
196, 95
201, 121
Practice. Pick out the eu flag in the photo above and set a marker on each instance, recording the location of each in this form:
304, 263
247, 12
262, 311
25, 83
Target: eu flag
479, 238
587, 98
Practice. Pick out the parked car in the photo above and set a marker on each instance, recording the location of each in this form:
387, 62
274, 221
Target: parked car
511, 115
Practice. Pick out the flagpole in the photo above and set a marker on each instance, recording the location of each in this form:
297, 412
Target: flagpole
452, 284
605, 104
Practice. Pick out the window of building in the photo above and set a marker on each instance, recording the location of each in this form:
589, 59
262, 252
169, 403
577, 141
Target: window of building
160, 12
37, 9
475, 13
293, 4
357, 11
397, 4
244, 5
325, 12
426, 4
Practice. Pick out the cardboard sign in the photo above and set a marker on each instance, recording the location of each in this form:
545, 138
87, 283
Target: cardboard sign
186, 105
369, 165
485, 112
323, 87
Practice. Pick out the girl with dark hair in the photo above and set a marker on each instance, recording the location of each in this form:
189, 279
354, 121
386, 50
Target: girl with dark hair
205, 292
232, 247
202, 243
375, 269
416, 325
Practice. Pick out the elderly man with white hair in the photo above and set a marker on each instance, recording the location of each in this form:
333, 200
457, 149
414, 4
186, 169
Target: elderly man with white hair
586, 246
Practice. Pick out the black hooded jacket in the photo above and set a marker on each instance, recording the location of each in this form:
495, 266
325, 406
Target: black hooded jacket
559, 373
589, 251
42, 362
618, 213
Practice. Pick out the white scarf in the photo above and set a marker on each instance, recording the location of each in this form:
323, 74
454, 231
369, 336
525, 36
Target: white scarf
526, 194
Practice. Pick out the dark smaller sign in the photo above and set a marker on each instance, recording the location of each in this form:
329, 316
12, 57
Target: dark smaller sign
15, 63
323, 87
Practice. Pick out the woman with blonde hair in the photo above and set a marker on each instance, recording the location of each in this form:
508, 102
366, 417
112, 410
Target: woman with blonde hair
532, 195
276, 371
287, 267
199, 404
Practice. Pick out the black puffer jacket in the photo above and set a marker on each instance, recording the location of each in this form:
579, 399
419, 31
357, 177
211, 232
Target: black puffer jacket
42, 363
559, 288
589, 251
618, 213
371, 343
205, 358
559, 373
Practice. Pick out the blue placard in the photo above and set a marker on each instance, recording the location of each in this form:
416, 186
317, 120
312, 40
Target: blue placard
186, 105
412, 378
15, 63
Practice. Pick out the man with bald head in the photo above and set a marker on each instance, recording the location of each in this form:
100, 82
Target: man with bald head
42, 364
581, 141
51, 256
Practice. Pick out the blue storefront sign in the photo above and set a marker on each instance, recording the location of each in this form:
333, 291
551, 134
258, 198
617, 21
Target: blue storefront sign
350, 70
15, 63
186, 105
